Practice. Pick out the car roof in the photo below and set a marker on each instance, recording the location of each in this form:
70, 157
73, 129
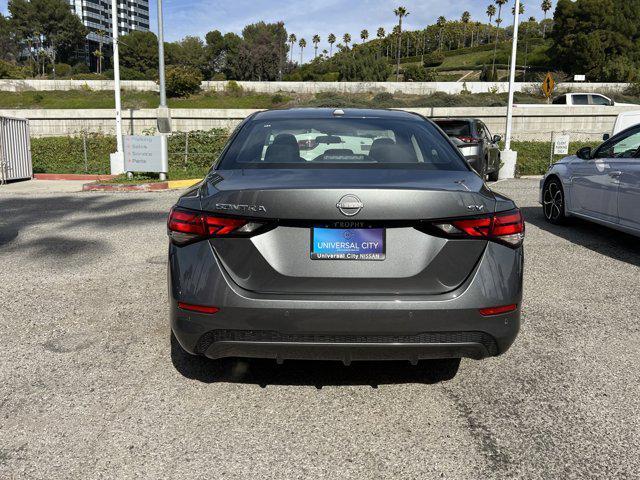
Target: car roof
455, 119
302, 113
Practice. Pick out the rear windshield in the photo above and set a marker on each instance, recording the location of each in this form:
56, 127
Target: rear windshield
455, 128
341, 142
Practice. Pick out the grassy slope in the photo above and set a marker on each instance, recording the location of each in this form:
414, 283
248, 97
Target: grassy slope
80, 99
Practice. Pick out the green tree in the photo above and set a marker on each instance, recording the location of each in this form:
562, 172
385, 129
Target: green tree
331, 39
9, 48
520, 10
292, 40
466, 18
48, 29
191, 51
302, 45
399, 12
441, 23
491, 12
259, 55
316, 41
598, 38
346, 38
139, 53
362, 65
364, 35
546, 6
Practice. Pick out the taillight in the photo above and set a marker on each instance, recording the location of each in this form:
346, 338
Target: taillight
188, 226
488, 312
504, 227
468, 139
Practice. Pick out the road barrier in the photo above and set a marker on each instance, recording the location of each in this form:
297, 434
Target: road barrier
15, 149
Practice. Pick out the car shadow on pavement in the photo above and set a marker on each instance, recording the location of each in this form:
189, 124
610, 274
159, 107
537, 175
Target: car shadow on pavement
309, 373
605, 241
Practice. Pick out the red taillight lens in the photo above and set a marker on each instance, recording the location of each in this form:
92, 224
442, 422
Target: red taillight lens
507, 228
198, 308
188, 226
488, 312
468, 139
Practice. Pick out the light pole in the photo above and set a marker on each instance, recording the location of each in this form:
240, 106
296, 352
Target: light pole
510, 157
117, 159
164, 115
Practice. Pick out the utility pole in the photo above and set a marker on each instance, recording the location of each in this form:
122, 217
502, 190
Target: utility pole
508, 156
164, 115
117, 159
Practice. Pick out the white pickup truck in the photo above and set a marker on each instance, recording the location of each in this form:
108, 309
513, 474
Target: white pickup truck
585, 99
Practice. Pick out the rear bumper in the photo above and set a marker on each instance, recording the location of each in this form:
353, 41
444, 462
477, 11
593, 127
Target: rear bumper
345, 328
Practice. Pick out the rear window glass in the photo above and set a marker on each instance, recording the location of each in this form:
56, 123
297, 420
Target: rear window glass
455, 128
341, 142
581, 99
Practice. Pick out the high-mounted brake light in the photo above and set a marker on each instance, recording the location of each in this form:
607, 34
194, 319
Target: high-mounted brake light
503, 227
188, 226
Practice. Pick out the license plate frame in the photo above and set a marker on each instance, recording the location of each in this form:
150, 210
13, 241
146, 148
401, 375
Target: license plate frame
348, 244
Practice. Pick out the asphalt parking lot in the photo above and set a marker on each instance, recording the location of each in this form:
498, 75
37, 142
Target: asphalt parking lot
91, 387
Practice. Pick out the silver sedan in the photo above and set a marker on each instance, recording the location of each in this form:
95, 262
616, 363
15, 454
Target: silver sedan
601, 185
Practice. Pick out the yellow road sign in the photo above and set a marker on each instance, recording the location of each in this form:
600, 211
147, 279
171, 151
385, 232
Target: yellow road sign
548, 85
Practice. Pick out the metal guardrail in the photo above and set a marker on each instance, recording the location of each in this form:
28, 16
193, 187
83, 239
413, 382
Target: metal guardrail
15, 149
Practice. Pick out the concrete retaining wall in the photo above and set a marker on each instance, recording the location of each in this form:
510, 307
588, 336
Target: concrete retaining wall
530, 123
416, 88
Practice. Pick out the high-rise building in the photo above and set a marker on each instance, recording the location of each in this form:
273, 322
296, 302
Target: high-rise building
96, 15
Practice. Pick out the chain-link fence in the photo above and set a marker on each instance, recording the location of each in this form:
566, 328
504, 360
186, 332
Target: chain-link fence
88, 153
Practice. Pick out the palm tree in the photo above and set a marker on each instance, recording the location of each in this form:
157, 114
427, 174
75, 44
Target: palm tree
491, 12
381, 34
364, 35
346, 38
400, 12
441, 23
521, 9
331, 39
316, 41
292, 41
500, 3
302, 44
466, 17
546, 6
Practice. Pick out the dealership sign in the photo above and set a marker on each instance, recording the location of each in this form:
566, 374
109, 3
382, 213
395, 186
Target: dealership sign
561, 145
142, 154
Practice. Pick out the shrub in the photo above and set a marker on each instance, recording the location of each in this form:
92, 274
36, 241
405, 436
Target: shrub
433, 59
219, 77
183, 81
417, 73
80, 68
363, 67
9, 70
331, 77
488, 74
63, 70
278, 98
233, 88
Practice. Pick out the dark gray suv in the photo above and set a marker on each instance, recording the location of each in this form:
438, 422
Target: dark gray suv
344, 235
480, 148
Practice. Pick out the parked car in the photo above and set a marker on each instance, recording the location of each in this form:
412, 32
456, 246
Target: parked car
396, 252
602, 185
479, 147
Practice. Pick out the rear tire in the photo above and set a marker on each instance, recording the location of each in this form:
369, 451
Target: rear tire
553, 203
493, 176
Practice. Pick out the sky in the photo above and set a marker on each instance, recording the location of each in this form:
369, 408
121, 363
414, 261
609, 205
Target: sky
308, 17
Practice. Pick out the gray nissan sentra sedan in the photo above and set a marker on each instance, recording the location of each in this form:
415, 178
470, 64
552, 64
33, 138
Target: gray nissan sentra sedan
344, 235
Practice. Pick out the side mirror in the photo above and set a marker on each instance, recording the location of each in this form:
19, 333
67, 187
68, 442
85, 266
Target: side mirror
497, 138
584, 153
606, 137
